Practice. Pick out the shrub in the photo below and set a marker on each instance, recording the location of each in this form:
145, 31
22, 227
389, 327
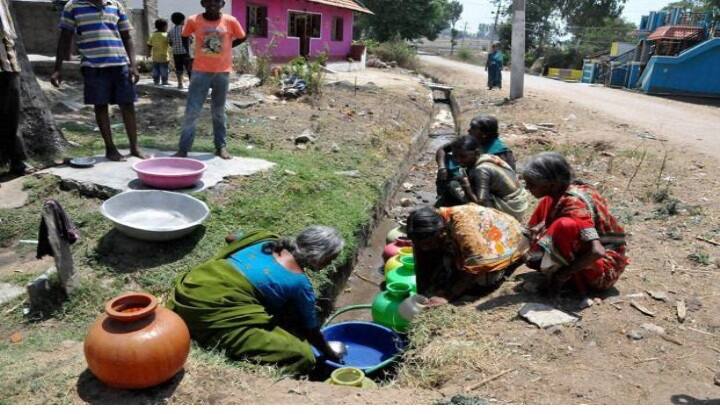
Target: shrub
465, 54
311, 72
397, 51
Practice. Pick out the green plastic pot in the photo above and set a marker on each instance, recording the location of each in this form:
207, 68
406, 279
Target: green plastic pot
385, 307
403, 274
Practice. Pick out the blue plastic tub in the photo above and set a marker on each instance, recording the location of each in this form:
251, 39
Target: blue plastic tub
370, 347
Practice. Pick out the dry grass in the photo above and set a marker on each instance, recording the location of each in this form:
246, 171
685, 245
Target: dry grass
445, 342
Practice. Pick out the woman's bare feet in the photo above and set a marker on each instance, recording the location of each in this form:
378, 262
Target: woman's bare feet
114, 155
223, 153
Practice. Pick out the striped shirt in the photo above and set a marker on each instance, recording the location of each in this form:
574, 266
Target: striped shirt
98, 31
175, 38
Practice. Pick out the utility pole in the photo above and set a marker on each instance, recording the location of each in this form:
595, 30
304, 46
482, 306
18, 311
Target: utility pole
517, 78
497, 16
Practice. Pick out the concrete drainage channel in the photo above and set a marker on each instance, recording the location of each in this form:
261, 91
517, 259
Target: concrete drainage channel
361, 278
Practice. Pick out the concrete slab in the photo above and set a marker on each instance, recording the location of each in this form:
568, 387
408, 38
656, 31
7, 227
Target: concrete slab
544, 316
146, 85
108, 178
12, 194
9, 292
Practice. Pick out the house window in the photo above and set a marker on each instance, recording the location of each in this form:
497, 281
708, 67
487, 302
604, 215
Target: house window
304, 25
257, 22
337, 29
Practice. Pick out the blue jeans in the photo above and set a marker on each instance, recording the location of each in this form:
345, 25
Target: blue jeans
197, 93
160, 72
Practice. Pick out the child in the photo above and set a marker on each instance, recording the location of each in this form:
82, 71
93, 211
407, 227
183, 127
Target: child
180, 48
159, 47
215, 36
108, 63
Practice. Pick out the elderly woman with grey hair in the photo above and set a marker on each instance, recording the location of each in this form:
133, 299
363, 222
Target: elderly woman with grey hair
235, 301
575, 239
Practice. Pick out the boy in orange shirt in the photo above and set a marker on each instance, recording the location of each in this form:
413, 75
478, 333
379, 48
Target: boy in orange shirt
215, 36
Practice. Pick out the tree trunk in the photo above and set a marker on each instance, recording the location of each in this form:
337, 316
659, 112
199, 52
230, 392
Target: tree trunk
40, 133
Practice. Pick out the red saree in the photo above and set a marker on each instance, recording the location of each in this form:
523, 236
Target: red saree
569, 223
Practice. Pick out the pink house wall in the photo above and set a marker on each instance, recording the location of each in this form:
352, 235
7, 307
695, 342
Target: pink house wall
286, 48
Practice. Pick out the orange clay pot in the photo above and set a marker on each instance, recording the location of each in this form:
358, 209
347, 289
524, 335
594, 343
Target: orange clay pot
136, 344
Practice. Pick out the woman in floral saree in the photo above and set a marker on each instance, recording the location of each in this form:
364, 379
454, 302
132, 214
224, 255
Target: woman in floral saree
575, 238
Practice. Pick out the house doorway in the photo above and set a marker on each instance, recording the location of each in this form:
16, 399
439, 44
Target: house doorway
304, 27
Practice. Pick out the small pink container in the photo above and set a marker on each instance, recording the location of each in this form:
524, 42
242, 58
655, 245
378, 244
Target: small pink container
170, 173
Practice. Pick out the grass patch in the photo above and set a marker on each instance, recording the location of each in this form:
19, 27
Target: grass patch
397, 51
444, 343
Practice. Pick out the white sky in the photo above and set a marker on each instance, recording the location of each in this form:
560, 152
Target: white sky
479, 11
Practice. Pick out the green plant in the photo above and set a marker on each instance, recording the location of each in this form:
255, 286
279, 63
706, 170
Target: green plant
465, 54
397, 51
700, 257
312, 72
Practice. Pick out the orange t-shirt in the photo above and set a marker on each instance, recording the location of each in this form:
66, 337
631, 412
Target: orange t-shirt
213, 42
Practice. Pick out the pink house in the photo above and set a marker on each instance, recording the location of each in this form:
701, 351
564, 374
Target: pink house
286, 29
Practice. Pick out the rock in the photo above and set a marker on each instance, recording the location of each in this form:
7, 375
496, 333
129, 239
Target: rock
681, 310
235, 105
406, 202
635, 335
571, 117
306, 137
272, 118
554, 330
335, 147
301, 146
717, 379
351, 173
530, 128
544, 316
68, 343
546, 125
598, 301
67, 106
407, 187
693, 304
13, 195
658, 295
585, 303
642, 309
652, 328
16, 337
638, 295
9, 292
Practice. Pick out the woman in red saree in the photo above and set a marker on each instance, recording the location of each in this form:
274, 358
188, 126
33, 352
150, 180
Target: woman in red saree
575, 238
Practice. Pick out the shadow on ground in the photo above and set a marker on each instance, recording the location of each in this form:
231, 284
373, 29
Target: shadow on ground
126, 255
92, 391
682, 399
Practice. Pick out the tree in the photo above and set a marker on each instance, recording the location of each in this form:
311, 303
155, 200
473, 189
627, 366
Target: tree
454, 11
406, 19
581, 14
41, 135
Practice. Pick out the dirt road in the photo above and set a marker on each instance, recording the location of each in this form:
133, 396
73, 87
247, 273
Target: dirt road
681, 123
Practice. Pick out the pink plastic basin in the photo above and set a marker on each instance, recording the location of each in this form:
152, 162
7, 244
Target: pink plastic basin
170, 173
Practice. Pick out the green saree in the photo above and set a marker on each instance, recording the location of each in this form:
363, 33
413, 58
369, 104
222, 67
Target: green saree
222, 310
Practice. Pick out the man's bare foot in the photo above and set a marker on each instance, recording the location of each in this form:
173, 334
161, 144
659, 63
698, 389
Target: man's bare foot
114, 155
180, 154
137, 153
223, 153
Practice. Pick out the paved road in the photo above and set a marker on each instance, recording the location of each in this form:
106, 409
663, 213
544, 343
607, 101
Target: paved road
685, 124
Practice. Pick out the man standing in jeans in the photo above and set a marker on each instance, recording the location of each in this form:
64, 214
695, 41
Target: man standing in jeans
215, 36
102, 30
12, 150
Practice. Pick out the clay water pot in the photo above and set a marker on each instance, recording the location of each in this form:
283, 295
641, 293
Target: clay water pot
396, 233
393, 249
136, 344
